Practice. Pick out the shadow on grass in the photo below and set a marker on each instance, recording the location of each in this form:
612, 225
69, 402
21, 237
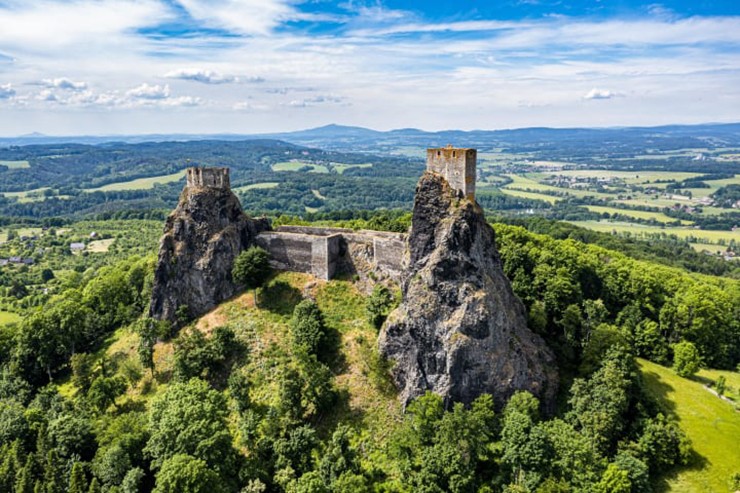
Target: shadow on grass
696, 462
660, 390
279, 297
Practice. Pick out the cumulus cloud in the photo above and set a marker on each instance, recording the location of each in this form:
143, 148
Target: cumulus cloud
250, 17
601, 94
200, 75
146, 91
6, 91
64, 83
47, 95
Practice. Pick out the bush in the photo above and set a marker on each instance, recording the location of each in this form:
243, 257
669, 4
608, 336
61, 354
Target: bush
379, 305
686, 359
307, 327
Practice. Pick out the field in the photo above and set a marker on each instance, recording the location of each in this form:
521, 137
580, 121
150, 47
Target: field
647, 215
257, 186
684, 233
341, 168
630, 177
100, 246
139, 183
296, 165
27, 196
8, 318
15, 164
530, 195
712, 424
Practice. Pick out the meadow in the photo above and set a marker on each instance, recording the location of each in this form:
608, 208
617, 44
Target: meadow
15, 164
139, 183
712, 424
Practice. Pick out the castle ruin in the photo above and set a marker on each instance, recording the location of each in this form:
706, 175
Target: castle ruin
457, 166
327, 252
208, 177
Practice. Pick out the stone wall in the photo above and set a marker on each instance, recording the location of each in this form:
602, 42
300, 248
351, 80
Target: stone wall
455, 165
208, 177
326, 252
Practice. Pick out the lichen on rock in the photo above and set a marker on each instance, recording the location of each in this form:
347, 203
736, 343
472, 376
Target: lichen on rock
202, 237
460, 331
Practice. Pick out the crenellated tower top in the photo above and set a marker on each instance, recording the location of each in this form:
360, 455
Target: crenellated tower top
208, 177
457, 166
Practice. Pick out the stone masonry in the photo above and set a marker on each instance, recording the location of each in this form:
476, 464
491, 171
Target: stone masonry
457, 166
208, 177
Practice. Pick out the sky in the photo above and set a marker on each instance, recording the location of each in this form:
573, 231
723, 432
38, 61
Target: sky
108, 67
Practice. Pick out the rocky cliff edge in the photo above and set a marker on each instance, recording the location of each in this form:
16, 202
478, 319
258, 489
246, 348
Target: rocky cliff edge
202, 237
460, 331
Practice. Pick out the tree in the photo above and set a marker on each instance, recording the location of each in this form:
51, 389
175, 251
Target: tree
82, 370
686, 359
104, 390
132, 481
379, 305
190, 418
149, 331
183, 473
251, 268
614, 480
307, 327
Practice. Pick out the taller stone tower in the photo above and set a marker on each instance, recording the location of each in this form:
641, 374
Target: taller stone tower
457, 166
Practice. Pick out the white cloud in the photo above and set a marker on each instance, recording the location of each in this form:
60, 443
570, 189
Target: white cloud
6, 91
250, 106
64, 83
250, 17
201, 75
46, 95
601, 94
145, 91
314, 101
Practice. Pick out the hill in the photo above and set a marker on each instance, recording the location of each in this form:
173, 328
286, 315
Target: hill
712, 424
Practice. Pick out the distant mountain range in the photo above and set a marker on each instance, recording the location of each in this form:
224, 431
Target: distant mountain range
339, 137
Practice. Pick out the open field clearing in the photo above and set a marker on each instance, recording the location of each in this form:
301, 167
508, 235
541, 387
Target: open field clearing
642, 230
711, 423
139, 183
296, 165
341, 168
708, 247
15, 164
257, 186
630, 177
530, 195
647, 215
9, 318
100, 246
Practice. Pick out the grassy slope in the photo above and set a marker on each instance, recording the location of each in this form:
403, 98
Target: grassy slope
712, 424
139, 183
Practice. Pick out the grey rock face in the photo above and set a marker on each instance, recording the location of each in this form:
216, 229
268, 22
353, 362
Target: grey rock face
460, 331
202, 237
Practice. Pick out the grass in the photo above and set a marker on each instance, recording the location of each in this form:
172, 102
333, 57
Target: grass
100, 246
642, 230
35, 195
257, 186
530, 195
647, 215
9, 318
340, 168
712, 424
139, 183
629, 177
529, 182
15, 164
318, 195
297, 165
732, 381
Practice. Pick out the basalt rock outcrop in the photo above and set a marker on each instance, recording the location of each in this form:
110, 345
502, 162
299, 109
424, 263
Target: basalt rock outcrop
460, 331
202, 237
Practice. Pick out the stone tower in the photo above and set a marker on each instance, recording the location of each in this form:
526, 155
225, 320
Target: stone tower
208, 177
457, 166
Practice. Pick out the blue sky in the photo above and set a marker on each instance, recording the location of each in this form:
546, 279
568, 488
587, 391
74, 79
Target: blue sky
71, 67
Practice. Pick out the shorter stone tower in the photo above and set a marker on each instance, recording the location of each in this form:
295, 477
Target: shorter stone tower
457, 166
209, 177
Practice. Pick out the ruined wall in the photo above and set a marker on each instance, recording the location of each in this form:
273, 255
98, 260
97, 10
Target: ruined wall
457, 166
325, 252
208, 177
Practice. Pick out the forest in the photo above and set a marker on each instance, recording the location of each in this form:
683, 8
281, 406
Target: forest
286, 392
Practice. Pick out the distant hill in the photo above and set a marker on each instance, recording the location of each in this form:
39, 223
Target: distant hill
340, 137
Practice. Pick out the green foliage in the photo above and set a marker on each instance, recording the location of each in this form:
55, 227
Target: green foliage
182, 473
82, 370
307, 328
663, 444
149, 331
686, 359
78, 479
208, 358
190, 418
720, 385
379, 305
251, 267
104, 390
614, 480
